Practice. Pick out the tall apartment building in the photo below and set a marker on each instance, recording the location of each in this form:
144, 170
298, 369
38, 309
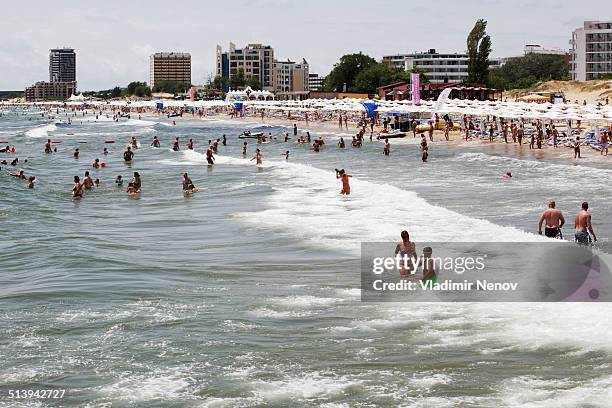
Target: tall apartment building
591, 50
315, 82
439, 68
170, 66
255, 60
62, 65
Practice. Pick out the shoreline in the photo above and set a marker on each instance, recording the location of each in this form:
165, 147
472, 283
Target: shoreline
561, 154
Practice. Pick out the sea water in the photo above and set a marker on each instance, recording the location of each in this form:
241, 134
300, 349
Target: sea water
247, 292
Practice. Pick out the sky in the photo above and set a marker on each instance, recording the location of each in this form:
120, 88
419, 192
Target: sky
114, 39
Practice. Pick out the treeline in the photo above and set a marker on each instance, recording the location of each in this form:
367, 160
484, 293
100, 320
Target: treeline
527, 71
140, 89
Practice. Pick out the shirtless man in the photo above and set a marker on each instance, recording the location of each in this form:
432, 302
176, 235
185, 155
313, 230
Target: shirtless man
175, 146
286, 154
406, 250
77, 190
48, 146
76, 153
88, 181
128, 155
583, 226
244, 149
224, 142
341, 143
190, 144
210, 159
554, 221
257, 157
344, 178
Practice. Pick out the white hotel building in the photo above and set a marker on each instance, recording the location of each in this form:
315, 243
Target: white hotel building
439, 68
591, 50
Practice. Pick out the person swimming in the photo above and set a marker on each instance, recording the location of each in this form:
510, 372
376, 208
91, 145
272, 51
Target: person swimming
175, 146
76, 153
136, 182
96, 164
507, 176
48, 146
244, 149
119, 181
286, 154
155, 142
21, 175
31, 181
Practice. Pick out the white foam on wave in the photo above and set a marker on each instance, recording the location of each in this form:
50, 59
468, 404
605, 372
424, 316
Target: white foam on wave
306, 202
308, 386
533, 392
41, 131
157, 385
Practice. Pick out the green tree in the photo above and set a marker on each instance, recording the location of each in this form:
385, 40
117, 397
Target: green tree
346, 71
254, 83
422, 74
479, 48
526, 71
369, 79
116, 92
172, 87
237, 79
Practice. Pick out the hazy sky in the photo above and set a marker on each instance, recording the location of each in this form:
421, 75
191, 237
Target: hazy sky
113, 39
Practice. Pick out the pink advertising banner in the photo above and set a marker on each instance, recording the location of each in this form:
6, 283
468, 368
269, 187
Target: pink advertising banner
416, 88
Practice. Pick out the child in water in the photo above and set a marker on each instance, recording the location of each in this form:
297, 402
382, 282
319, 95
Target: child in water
344, 178
119, 181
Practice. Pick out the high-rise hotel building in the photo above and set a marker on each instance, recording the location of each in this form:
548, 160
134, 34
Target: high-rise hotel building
170, 66
255, 60
62, 65
591, 50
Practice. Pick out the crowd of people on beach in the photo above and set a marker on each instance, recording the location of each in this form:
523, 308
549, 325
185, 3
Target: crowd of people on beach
510, 131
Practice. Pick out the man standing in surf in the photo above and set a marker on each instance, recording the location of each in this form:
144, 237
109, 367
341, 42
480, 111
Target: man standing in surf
210, 158
554, 221
583, 226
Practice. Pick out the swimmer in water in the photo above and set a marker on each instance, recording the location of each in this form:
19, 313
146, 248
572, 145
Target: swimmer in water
31, 180
97, 182
48, 146
175, 146
77, 190
224, 142
20, 175
341, 143
76, 153
188, 184
131, 189
210, 158
387, 148
134, 143
286, 154
105, 151
155, 142
258, 157
136, 182
507, 176
88, 181
96, 164
128, 155
119, 181
344, 178
190, 144
244, 149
